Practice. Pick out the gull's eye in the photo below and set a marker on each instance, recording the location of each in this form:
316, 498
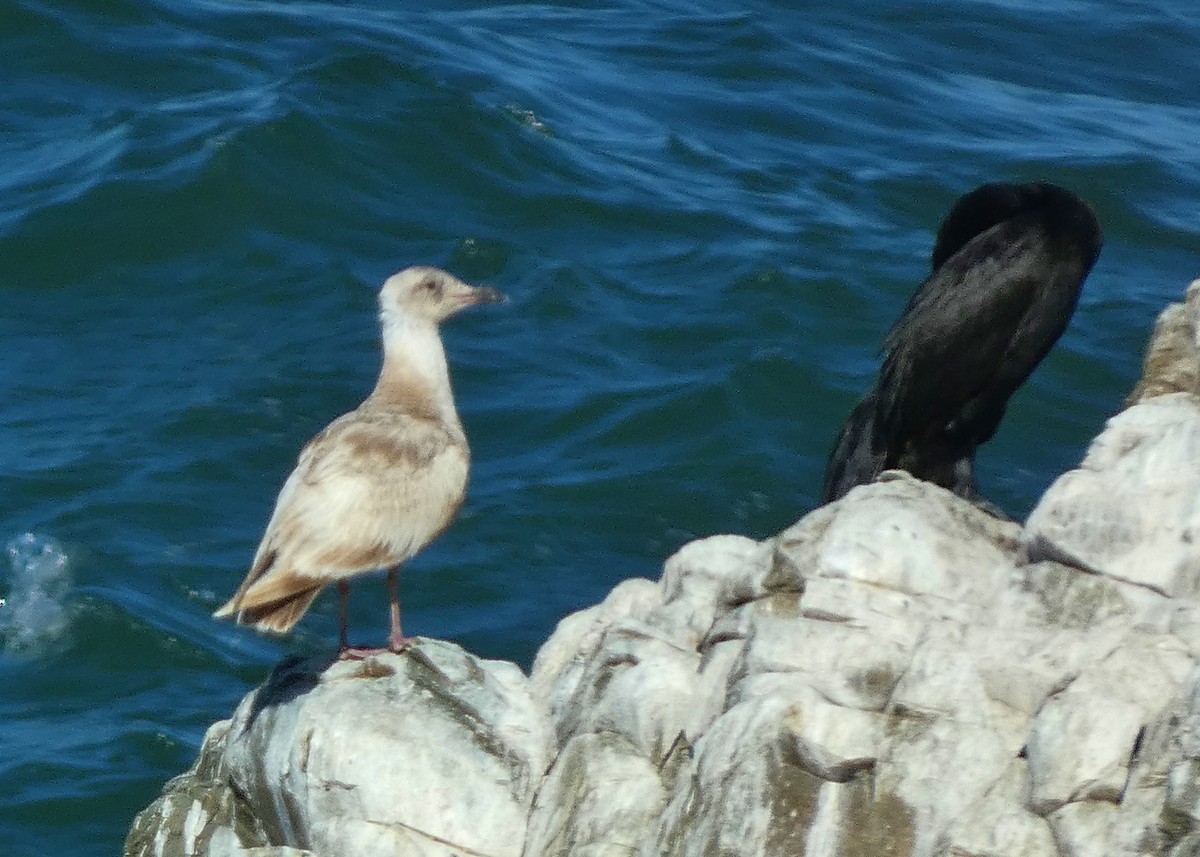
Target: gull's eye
432, 287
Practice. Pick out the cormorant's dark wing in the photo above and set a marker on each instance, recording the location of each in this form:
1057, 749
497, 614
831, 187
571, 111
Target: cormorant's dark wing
973, 331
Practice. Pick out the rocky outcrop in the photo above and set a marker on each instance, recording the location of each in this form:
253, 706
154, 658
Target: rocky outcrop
896, 674
432, 753
1172, 362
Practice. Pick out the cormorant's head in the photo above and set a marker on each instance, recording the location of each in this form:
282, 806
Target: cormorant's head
988, 205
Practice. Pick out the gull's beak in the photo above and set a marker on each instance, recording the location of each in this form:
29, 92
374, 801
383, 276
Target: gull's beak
478, 296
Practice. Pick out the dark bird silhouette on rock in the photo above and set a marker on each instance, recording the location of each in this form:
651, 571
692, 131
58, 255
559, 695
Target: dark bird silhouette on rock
1008, 265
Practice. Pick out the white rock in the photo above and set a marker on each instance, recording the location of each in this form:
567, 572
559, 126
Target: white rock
1083, 740
850, 818
747, 793
998, 825
911, 537
707, 577
942, 768
638, 685
711, 697
599, 800
850, 666
1085, 829
431, 752
563, 658
1172, 362
395, 762
896, 675
1132, 509
1094, 764
832, 741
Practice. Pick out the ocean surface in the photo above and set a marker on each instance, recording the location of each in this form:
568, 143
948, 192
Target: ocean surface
706, 217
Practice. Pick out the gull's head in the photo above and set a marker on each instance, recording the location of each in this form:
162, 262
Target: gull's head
430, 295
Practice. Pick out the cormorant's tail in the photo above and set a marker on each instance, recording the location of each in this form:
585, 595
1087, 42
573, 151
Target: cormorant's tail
854, 459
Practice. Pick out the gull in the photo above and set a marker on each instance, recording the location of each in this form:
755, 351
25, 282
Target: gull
377, 484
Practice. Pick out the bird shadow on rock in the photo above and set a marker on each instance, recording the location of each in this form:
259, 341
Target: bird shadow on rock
291, 678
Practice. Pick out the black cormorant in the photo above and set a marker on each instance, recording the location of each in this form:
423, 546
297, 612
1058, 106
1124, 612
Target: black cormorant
1008, 265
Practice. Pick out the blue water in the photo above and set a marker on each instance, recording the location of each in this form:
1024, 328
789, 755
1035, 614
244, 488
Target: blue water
706, 220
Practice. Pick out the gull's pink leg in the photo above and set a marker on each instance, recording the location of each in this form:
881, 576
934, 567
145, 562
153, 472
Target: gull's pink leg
345, 652
343, 591
397, 642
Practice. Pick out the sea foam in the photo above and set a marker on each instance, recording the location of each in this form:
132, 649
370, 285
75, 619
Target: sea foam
35, 610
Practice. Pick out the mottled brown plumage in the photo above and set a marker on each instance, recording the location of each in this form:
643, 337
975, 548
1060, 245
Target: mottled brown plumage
377, 484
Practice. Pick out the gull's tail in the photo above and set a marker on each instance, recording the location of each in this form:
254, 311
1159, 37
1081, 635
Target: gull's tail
271, 598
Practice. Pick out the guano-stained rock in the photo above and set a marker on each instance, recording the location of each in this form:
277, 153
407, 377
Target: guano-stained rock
431, 752
898, 674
